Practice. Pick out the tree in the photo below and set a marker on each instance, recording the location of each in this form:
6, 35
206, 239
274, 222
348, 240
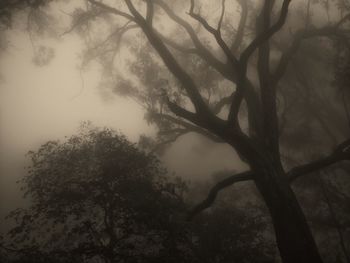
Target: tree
95, 196
98, 198
233, 85
257, 140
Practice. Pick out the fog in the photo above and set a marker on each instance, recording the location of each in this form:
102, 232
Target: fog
250, 98
48, 103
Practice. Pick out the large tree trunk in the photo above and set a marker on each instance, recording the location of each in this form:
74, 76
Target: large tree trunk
293, 235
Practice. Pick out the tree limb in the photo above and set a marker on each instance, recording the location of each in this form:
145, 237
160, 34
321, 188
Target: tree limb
301, 35
241, 177
243, 62
216, 33
221, 16
190, 127
221, 103
187, 82
202, 51
261, 38
341, 153
226, 71
183, 113
150, 12
112, 9
241, 26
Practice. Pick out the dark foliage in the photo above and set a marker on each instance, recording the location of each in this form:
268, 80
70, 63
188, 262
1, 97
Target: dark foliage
98, 198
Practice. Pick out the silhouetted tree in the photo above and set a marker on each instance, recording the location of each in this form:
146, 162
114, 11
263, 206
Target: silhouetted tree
98, 198
258, 144
95, 195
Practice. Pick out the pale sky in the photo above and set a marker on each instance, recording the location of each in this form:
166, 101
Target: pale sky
44, 103
38, 104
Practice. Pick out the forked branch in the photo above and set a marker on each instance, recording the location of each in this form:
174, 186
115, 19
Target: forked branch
201, 50
266, 35
215, 32
111, 9
187, 82
341, 153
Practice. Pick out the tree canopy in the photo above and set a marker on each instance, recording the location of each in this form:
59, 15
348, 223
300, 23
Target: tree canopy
97, 198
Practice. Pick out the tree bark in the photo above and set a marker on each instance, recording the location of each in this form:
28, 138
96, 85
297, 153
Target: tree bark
293, 235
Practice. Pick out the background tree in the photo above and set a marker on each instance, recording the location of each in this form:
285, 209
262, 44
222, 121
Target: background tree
96, 195
97, 198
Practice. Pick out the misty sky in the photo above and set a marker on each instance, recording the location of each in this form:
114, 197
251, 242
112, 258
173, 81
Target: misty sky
47, 103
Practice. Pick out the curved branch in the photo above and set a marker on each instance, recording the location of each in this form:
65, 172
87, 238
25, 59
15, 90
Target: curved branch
241, 177
222, 15
190, 127
341, 153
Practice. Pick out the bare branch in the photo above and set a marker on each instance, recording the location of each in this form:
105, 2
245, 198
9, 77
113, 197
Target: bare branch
191, 128
150, 12
241, 177
228, 72
183, 113
341, 153
221, 16
111, 9
221, 103
171, 63
258, 42
202, 51
216, 33
238, 97
266, 35
241, 26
